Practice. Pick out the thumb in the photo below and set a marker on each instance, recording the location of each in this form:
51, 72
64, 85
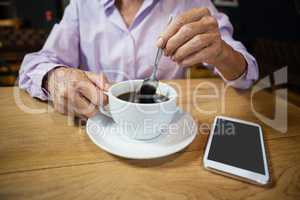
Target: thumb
100, 80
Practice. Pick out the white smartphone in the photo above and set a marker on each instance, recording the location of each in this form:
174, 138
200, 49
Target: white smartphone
236, 148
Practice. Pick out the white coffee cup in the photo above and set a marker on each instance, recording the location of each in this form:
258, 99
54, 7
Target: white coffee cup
140, 121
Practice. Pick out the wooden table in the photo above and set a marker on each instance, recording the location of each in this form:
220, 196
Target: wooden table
42, 156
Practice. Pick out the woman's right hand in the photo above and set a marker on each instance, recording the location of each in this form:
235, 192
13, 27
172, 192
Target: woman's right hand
76, 92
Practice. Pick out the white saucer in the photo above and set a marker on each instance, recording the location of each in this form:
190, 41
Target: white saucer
106, 134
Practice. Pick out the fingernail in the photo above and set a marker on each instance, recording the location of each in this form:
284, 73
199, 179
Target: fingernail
106, 86
160, 42
166, 53
182, 64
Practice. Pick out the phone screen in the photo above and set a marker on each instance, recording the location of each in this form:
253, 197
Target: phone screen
237, 144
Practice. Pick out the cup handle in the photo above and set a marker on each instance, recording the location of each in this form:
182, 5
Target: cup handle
104, 109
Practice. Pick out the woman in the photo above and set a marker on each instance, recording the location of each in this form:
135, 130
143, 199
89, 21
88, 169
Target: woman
115, 40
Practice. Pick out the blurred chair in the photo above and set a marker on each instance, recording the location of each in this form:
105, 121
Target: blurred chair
15, 23
7, 75
15, 42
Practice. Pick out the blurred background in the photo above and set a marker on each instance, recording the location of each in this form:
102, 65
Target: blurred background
270, 29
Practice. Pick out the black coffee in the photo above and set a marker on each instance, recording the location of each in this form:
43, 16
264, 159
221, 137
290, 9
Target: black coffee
134, 97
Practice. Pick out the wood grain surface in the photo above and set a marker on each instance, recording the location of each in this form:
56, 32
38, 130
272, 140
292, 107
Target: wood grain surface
46, 156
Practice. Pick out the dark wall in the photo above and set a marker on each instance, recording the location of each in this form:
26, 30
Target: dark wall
278, 19
7, 9
271, 31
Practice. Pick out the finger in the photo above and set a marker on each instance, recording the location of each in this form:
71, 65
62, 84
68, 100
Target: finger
64, 106
60, 107
81, 106
197, 43
185, 18
188, 31
90, 91
199, 57
100, 80
94, 95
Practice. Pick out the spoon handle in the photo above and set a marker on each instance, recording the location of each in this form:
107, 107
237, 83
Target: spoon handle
158, 56
157, 59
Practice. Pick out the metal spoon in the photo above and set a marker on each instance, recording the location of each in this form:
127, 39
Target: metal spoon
148, 89
149, 86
